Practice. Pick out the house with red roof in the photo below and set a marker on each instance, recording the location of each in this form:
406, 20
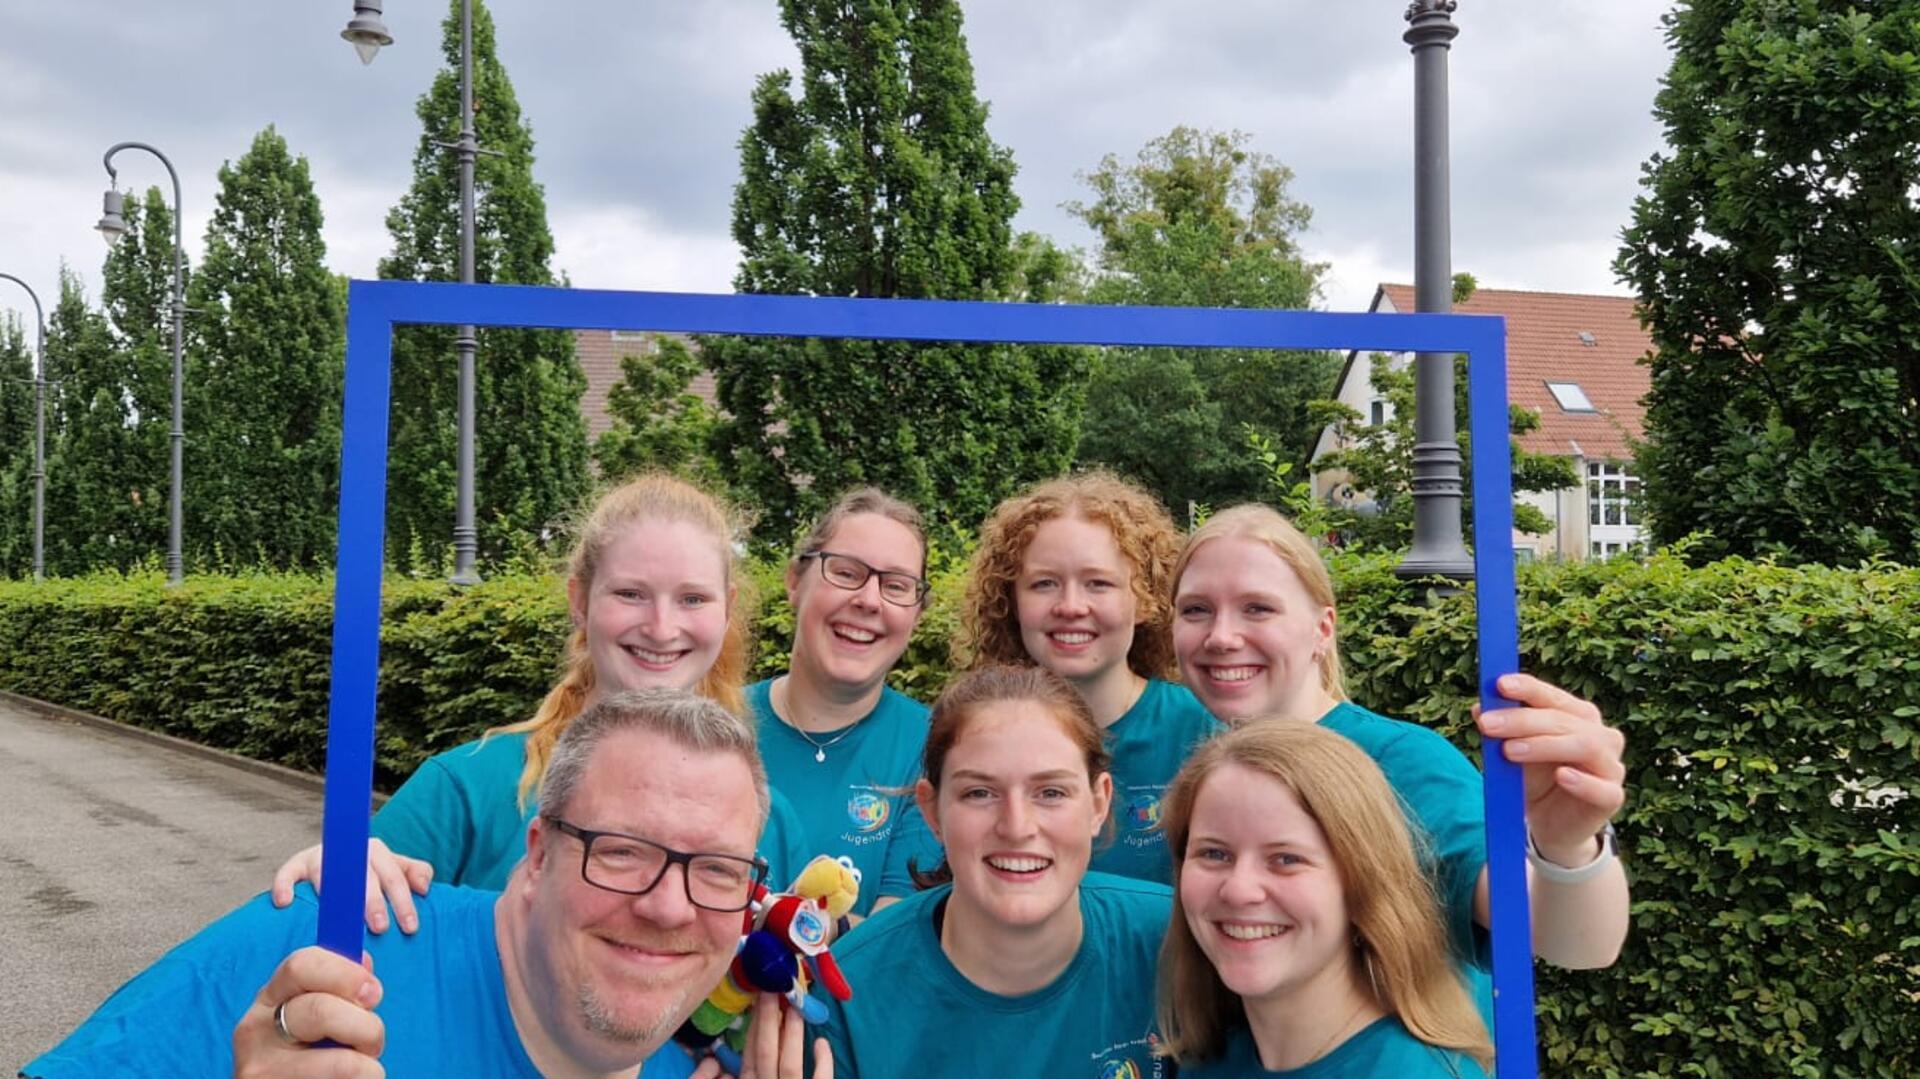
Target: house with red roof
600, 353
1573, 359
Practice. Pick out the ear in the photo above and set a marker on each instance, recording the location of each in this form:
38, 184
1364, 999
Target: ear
792, 578
1102, 800
928, 800
537, 852
1326, 629
577, 601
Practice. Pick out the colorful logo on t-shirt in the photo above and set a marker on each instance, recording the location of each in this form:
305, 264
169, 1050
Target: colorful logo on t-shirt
868, 811
1120, 1069
1143, 810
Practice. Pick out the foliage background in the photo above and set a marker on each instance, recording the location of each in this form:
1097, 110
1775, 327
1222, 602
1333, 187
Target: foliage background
1772, 716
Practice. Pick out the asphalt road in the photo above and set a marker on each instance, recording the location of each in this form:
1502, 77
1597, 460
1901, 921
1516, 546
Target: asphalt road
113, 848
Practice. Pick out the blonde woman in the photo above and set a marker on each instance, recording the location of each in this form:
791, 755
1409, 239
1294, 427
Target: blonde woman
1305, 941
657, 602
1254, 630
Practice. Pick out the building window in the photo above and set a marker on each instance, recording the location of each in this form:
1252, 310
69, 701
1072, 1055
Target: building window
643, 336
1613, 511
1377, 412
1571, 397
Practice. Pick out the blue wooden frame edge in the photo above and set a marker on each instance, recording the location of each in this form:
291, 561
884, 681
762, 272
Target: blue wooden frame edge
375, 307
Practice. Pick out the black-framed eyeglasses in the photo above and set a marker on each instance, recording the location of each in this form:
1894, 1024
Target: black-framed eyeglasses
634, 866
848, 572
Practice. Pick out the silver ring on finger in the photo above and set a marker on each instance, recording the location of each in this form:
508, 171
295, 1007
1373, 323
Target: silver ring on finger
280, 1025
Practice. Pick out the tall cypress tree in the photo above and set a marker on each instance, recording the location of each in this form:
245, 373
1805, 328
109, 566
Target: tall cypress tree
262, 468
1776, 254
16, 448
879, 180
106, 490
530, 454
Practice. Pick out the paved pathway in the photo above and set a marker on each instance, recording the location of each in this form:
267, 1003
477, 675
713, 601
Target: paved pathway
112, 849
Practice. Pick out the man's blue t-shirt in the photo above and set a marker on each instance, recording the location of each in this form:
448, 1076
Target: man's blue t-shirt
1149, 743
460, 810
444, 1004
858, 801
914, 1014
1441, 793
1383, 1047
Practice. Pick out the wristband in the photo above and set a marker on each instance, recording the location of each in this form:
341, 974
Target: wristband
1559, 874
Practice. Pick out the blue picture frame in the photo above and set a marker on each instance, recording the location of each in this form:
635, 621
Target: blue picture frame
374, 308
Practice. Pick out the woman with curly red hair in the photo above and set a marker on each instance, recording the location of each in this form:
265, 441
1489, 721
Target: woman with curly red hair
1074, 575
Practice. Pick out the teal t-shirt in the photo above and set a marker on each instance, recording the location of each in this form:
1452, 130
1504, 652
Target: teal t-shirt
445, 1005
1149, 744
1441, 792
460, 811
858, 801
914, 1014
1382, 1048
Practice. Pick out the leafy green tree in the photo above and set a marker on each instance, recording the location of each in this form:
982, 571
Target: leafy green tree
262, 468
1774, 254
106, 483
657, 422
16, 448
530, 452
879, 180
1378, 458
1200, 219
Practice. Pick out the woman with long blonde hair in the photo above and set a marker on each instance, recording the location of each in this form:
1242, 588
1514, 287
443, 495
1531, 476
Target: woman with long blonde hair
1255, 634
656, 600
1305, 940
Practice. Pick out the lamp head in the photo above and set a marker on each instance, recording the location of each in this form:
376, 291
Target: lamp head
366, 31
112, 224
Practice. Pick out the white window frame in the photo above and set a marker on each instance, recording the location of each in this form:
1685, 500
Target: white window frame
1611, 487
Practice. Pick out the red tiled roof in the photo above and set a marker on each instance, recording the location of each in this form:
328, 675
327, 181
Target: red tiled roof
599, 353
1544, 345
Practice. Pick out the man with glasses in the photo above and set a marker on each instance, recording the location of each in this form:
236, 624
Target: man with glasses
622, 918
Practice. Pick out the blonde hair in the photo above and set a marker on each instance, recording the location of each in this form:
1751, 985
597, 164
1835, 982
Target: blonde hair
1141, 528
1265, 525
649, 497
1400, 940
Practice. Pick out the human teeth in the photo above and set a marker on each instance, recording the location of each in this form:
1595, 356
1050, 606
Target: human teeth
1018, 865
647, 655
1233, 674
859, 636
1073, 638
1251, 932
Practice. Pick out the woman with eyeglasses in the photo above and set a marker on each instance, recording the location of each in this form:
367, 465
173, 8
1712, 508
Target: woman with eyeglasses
842, 746
656, 602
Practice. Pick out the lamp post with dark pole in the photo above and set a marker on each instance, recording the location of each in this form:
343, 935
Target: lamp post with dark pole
368, 34
39, 435
112, 226
1438, 548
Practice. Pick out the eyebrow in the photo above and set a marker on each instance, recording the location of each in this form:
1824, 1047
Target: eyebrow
1277, 844
1054, 776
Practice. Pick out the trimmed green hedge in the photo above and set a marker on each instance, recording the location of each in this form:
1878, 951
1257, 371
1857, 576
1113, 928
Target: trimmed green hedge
1772, 717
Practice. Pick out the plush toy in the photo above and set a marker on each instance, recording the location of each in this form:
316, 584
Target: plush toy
783, 947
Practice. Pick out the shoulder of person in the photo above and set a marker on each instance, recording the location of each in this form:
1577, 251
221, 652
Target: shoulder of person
891, 929
1384, 738
1132, 905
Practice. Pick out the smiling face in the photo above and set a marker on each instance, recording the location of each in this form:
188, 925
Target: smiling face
1018, 814
1248, 635
852, 637
620, 971
655, 613
1074, 602
1262, 895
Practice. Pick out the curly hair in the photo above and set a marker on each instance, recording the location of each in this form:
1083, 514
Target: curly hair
1142, 529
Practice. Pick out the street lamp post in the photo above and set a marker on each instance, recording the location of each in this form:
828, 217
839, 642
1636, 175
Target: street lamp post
112, 226
1438, 548
39, 435
368, 33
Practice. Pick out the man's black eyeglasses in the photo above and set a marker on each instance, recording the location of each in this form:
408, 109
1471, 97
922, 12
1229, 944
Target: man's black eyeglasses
848, 572
633, 866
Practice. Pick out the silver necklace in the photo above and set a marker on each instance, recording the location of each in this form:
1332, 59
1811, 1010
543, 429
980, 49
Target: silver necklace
819, 748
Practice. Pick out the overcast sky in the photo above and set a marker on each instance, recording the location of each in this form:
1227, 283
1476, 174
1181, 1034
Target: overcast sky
637, 107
